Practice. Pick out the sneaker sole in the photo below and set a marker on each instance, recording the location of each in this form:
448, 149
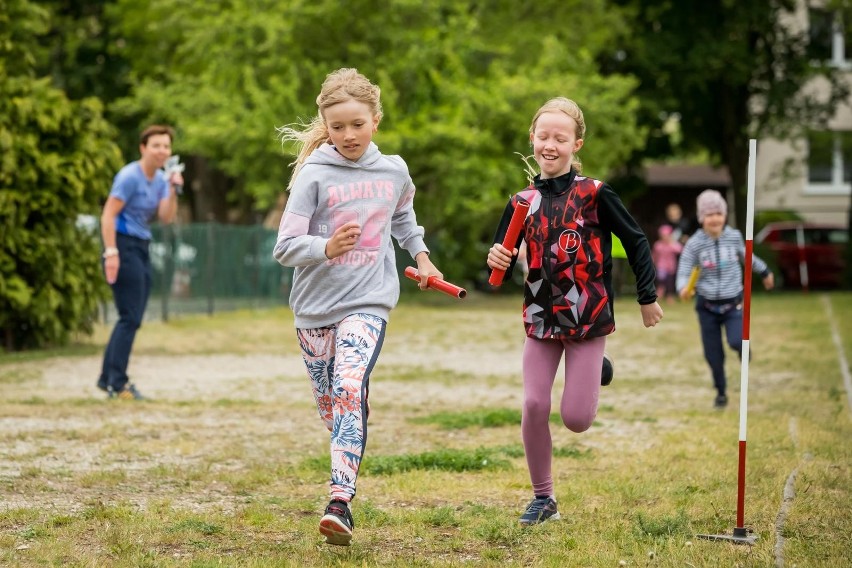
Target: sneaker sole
334, 531
553, 517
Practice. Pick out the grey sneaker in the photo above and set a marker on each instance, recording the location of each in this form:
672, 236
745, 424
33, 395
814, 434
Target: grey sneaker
607, 370
721, 401
337, 523
539, 510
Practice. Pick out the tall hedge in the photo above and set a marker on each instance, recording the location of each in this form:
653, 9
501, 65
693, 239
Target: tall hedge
57, 160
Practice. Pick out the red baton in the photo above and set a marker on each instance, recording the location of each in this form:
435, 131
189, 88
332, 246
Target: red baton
515, 226
437, 284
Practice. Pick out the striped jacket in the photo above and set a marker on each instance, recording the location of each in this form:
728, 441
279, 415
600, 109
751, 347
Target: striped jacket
720, 261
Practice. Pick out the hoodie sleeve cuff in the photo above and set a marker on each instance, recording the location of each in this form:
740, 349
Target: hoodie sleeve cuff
318, 249
415, 246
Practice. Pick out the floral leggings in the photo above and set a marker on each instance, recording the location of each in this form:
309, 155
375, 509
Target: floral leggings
339, 359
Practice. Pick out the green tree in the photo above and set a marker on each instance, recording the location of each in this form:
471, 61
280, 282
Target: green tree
460, 82
80, 51
56, 160
730, 70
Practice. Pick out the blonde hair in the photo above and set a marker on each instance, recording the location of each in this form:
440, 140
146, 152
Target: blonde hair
339, 87
571, 109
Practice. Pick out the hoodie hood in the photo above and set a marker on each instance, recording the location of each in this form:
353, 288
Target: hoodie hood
328, 155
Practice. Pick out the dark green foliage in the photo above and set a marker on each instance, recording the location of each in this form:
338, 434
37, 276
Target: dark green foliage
56, 162
460, 82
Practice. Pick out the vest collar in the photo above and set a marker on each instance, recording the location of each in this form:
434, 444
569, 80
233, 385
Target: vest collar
554, 186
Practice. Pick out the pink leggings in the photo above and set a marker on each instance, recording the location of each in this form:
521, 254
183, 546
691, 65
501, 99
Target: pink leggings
583, 364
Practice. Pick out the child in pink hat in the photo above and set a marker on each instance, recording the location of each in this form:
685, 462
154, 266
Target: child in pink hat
665, 254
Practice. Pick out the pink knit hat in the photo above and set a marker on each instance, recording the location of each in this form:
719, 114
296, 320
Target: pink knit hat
710, 201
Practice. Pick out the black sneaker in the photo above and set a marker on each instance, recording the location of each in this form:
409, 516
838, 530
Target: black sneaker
337, 523
129, 392
539, 510
721, 401
606, 371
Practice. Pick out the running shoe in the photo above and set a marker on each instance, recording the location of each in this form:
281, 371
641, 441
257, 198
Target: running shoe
539, 510
337, 524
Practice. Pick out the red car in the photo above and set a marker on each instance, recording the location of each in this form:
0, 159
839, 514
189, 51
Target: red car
810, 253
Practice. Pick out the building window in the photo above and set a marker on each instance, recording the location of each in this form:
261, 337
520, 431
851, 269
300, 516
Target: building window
830, 162
830, 41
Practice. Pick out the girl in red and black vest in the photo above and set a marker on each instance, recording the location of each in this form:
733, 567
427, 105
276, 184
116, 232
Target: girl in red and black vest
568, 297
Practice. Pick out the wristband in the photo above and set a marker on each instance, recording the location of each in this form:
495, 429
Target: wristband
110, 251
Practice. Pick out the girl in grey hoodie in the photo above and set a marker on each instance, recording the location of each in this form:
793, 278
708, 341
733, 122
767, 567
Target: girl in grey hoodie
346, 201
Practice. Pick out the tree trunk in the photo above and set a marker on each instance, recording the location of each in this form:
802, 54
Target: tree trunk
208, 190
733, 147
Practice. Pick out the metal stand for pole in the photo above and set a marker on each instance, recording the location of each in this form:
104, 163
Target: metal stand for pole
740, 536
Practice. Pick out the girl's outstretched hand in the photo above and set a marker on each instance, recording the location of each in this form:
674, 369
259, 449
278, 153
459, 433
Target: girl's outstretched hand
651, 314
343, 240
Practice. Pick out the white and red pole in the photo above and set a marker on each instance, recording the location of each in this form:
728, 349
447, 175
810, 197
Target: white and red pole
741, 534
740, 530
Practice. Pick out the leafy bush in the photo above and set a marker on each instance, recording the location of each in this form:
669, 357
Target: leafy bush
56, 162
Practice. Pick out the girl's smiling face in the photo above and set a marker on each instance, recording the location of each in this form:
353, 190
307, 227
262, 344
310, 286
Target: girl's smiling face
554, 143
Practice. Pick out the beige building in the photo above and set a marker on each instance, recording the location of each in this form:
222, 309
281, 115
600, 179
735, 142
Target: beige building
813, 176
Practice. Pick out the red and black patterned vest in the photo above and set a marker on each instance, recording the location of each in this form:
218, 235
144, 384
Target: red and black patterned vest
564, 294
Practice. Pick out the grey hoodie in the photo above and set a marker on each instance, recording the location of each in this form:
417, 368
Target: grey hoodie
329, 191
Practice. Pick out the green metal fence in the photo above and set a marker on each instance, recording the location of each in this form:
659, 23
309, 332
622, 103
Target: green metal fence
209, 267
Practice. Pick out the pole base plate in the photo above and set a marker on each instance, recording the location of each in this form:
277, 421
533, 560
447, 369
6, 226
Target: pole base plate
740, 536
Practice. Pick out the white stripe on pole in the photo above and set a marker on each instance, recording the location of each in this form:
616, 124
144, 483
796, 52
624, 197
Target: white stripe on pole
752, 166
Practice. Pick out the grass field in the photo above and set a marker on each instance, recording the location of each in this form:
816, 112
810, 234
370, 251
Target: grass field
227, 464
